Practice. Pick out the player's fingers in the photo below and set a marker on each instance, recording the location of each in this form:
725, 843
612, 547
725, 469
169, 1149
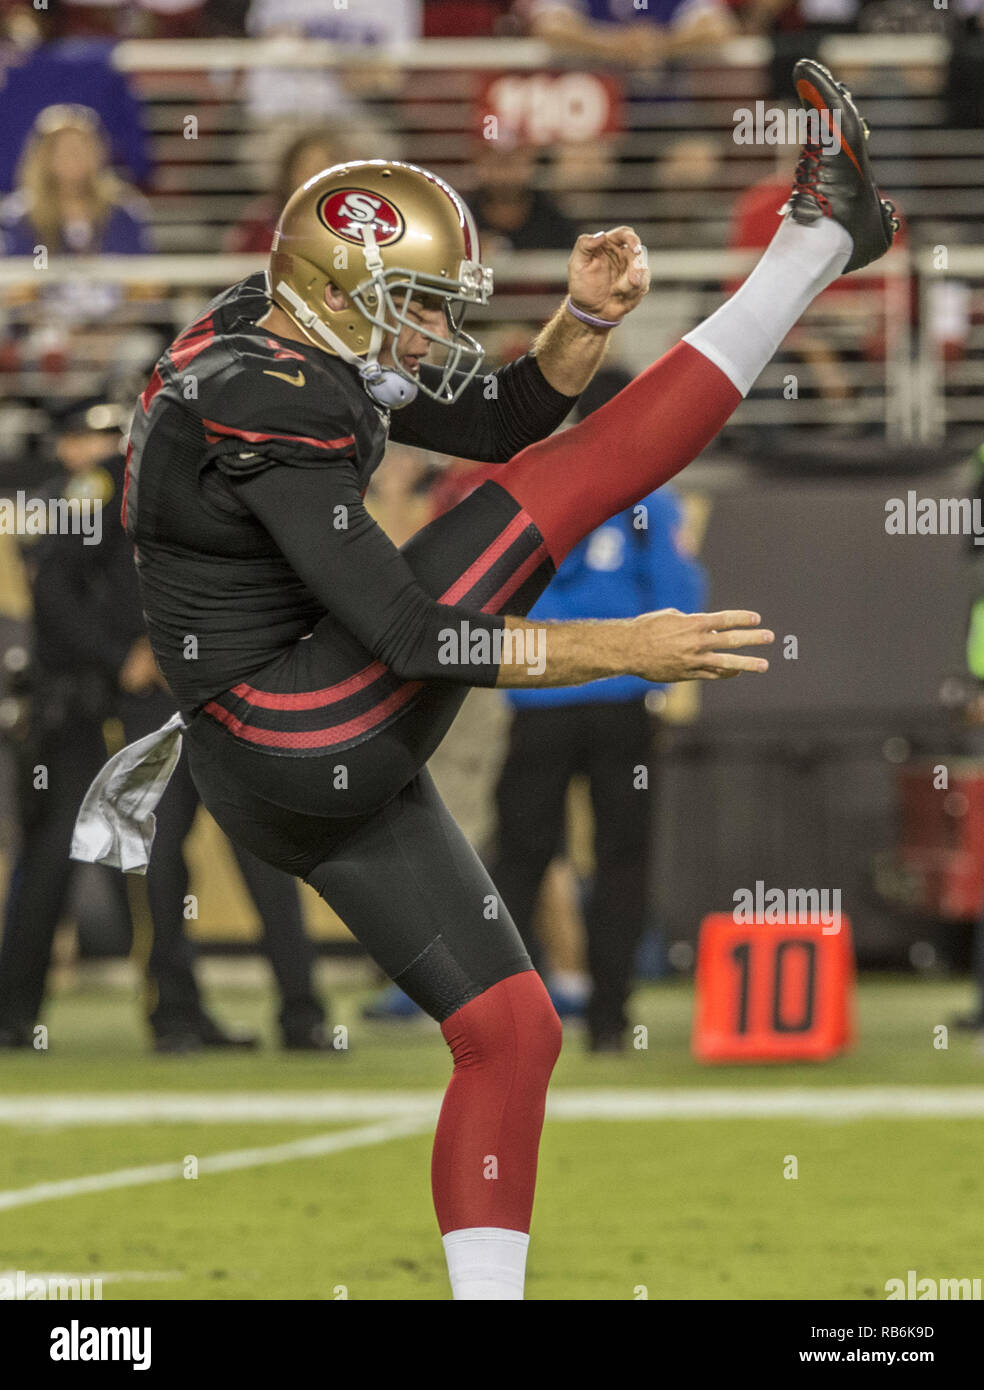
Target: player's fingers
731, 661
741, 637
624, 236
587, 245
707, 674
731, 617
621, 244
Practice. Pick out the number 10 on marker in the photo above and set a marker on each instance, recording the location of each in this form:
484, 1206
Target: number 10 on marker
772, 992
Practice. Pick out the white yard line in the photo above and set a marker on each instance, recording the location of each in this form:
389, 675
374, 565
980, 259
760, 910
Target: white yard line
314, 1147
345, 1107
217, 1107
404, 1113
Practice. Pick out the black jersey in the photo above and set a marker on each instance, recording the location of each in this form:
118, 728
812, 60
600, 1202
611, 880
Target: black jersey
248, 459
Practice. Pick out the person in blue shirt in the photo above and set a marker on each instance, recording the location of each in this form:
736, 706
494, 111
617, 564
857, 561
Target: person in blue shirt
632, 564
68, 198
69, 202
76, 71
623, 32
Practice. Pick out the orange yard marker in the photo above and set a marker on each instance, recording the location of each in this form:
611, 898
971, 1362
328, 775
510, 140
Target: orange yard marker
772, 992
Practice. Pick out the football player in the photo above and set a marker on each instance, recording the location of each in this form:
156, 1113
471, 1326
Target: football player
317, 667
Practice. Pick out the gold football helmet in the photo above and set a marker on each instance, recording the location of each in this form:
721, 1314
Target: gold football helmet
382, 232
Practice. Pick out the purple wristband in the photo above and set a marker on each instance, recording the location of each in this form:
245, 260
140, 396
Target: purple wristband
590, 319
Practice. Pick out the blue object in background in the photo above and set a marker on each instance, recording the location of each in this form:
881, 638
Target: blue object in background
71, 70
632, 564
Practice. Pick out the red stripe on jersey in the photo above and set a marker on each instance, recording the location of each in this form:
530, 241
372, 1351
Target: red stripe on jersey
331, 694
518, 577
150, 391
283, 354
311, 699
216, 431
316, 738
126, 482
487, 559
193, 341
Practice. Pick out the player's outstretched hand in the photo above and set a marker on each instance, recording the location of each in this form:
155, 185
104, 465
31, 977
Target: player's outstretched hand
608, 274
674, 646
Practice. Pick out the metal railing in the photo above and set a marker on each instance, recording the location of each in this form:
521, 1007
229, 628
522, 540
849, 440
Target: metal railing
949, 376
896, 393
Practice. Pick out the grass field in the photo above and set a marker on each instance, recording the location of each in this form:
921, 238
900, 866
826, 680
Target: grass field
657, 1174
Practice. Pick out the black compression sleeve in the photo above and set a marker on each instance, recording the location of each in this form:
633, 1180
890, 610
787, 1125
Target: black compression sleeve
495, 417
317, 518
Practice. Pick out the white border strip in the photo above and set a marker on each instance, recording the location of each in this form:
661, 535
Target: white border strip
421, 1107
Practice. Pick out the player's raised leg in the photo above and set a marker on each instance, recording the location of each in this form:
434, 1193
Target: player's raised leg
836, 221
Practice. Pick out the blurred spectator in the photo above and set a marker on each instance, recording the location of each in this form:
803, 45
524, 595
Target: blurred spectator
759, 16
92, 662
842, 16
691, 161
38, 75
619, 32
513, 214
120, 19
965, 71
462, 19
71, 203
306, 155
68, 199
308, 94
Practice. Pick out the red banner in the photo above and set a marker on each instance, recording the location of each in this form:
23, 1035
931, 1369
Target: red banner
548, 108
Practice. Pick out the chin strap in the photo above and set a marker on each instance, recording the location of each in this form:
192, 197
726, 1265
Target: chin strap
386, 386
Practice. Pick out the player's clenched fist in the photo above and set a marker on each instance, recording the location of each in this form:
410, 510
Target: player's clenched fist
674, 646
608, 273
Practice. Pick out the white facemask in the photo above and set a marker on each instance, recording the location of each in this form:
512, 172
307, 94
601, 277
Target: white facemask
383, 384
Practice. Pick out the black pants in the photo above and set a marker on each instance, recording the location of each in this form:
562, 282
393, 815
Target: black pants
70, 746
377, 842
610, 744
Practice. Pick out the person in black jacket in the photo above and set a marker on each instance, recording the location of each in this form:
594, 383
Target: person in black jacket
92, 661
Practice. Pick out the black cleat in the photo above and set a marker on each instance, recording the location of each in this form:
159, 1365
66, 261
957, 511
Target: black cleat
205, 1034
969, 1023
836, 180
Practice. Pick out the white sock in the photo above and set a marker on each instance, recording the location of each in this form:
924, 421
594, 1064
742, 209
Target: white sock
486, 1262
744, 334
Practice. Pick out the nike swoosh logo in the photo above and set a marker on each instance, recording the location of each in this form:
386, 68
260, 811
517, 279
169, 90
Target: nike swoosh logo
290, 380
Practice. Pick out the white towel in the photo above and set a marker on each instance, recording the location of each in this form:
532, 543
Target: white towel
116, 824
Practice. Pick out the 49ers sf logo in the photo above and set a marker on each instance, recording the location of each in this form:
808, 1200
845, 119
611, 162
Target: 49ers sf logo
348, 210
